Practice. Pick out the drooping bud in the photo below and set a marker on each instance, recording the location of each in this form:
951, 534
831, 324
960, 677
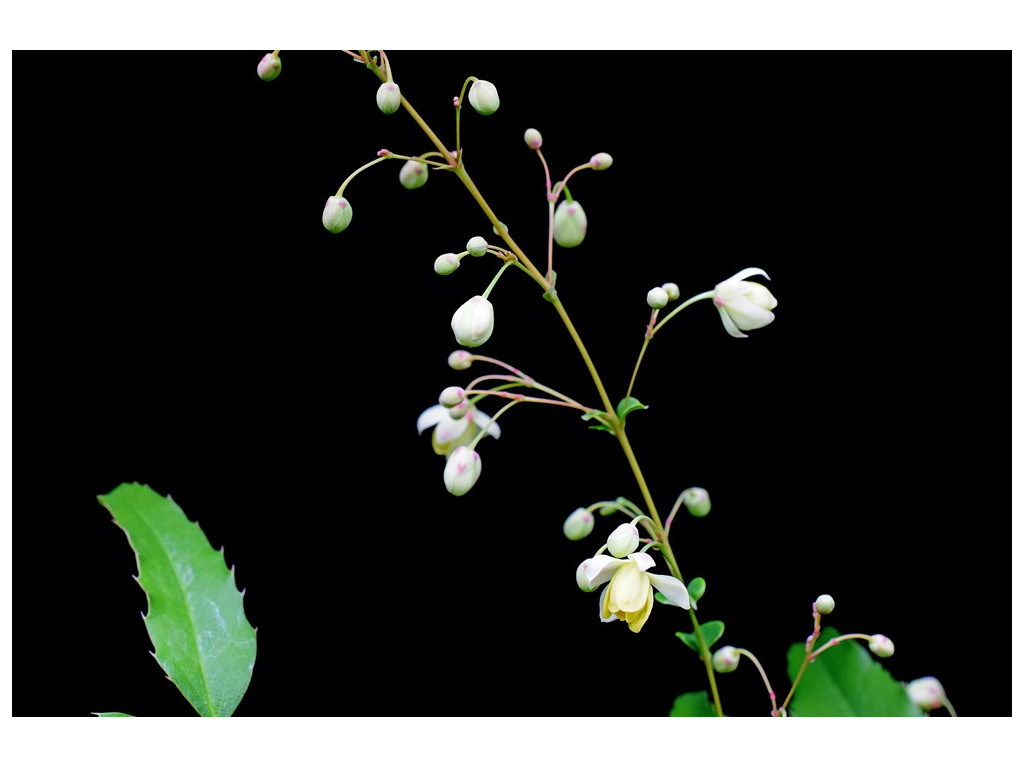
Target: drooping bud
657, 298
476, 246
389, 97
459, 410
533, 138
570, 224
473, 322
623, 540
413, 174
269, 67
824, 604
697, 501
600, 161
725, 659
926, 692
881, 646
578, 525
446, 263
337, 214
484, 97
672, 290
460, 360
451, 396
462, 470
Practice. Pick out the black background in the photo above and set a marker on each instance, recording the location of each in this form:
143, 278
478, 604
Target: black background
185, 321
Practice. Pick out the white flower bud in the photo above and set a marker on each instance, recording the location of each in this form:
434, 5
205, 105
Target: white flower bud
926, 692
600, 161
460, 360
269, 67
462, 470
459, 410
451, 396
389, 97
497, 231
881, 646
743, 305
578, 525
657, 298
484, 97
623, 540
473, 322
825, 604
672, 290
725, 659
476, 246
697, 501
570, 224
413, 174
533, 138
337, 214
446, 263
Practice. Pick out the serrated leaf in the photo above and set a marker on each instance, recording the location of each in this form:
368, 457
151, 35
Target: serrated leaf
626, 406
711, 631
693, 704
696, 589
111, 714
845, 681
195, 617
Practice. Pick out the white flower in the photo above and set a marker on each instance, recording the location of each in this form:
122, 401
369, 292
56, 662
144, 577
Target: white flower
449, 432
926, 692
473, 322
629, 596
462, 470
744, 306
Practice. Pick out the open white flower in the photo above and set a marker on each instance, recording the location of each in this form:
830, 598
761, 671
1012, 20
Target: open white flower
743, 305
450, 433
629, 595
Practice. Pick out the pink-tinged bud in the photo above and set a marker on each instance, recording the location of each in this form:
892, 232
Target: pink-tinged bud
476, 246
657, 298
623, 540
697, 501
926, 692
337, 214
578, 525
484, 97
570, 224
389, 97
600, 161
269, 67
473, 322
462, 470
881, 646
451, 396
725, 659
413, 174
446, 263
460, 360
533, 138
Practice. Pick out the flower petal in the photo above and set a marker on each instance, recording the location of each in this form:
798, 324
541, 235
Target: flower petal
637, 619
628, 589
743, 274
606, 616
730, 326
430, 417
747, 315
482, 420
672, 588
643, 561
600, 569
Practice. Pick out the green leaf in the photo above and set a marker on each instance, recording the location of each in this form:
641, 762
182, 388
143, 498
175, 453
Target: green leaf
195, 619
626, 406
845, 681
111, 714
696, 589
693, 704
601, 417
712, 632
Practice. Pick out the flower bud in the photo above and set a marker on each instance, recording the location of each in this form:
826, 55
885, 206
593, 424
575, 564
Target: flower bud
476, 246
600, 161
623, 540
881, 646
657, 298
926, 692
413, 174
570, 224
269, 67
460, 360
743, 305
578, 525
459, 410
473, 322
389, 97
337, 214
725, 659
451, 396
672, 290
533, 138
462, 470
446, 263
581, 577
697, 501
497, 230
824, 604
484, 97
